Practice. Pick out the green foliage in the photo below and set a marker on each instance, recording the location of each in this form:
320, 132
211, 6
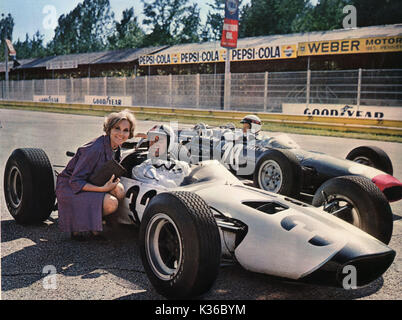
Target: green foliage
85, 29
128, 33
30, 48
267, 17
326, 15
171, 22
90, 26
213, 27
374, 12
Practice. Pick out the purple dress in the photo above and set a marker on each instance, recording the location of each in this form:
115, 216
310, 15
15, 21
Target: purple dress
82, 210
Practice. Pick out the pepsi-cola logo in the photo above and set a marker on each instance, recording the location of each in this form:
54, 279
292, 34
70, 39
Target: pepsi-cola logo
288, 51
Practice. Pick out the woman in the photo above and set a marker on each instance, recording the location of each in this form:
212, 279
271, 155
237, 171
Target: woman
82, 205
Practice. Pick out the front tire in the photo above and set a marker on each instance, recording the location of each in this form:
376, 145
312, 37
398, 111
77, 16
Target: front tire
278, 171
180, 245
29, 186
359, 202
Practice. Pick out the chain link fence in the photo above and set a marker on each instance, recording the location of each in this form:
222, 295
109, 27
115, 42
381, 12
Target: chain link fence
248, 91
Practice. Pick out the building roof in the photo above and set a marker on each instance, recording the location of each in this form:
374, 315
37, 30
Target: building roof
114, 56
294, 38
130, 55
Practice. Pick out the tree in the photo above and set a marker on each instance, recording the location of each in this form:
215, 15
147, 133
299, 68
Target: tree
6, 31
326, 15
128, 33
266, 17
213, 27
374, 12
170, 22
31, 48
86, 28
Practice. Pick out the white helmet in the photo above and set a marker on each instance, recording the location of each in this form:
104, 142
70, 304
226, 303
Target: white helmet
253, 121
161, 138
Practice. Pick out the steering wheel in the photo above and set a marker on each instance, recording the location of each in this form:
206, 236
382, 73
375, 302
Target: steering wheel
142, 140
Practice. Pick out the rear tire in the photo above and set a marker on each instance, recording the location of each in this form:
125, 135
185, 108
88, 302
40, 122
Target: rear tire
29, 186
370, 210
373, 157
180, 245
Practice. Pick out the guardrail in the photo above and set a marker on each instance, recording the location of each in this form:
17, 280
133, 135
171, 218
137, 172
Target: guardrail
391, 127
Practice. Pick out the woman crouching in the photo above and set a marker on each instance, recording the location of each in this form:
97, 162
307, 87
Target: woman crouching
82, 205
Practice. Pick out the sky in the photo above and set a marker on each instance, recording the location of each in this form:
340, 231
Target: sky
33, 15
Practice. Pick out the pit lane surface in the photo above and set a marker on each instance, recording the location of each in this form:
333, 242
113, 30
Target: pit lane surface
113, 270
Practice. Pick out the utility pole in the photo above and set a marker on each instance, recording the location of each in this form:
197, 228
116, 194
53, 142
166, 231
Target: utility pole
6, 73
228, 41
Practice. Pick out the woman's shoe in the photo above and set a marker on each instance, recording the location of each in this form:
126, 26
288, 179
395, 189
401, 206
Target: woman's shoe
79, 236
98, 237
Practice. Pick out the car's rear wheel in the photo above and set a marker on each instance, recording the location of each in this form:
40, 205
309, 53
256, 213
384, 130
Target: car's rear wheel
29, 185
180, 245
371, 156
358, 201
278, 171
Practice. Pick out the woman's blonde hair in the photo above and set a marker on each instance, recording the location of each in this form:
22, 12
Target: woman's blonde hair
115, 117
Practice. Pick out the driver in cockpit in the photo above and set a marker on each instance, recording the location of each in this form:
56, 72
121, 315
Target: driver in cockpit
161, 167
251, 124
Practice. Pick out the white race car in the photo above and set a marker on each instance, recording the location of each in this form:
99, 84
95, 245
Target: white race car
186, 231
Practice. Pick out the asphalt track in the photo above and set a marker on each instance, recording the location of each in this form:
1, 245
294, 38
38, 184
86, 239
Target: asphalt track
113, 270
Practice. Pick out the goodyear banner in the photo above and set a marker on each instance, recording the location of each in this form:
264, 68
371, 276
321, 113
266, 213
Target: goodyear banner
108, 100
351, 46
344, 111
218, 55
49, 98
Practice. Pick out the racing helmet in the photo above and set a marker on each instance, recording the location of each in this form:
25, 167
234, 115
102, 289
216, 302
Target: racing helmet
253, 121
160, 139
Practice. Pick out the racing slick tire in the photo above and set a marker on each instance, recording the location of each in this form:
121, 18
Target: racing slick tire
365, 206
278, 171
180, 245
29, 186
371, 156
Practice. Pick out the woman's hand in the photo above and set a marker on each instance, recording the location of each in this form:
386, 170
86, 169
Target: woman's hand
110, 185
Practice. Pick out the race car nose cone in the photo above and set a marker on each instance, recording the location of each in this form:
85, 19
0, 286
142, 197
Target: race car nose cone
390, 186
350, 267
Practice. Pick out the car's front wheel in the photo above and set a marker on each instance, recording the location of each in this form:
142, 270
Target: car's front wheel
373, 157
358, 201
29, 185
180, 245
278, 171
